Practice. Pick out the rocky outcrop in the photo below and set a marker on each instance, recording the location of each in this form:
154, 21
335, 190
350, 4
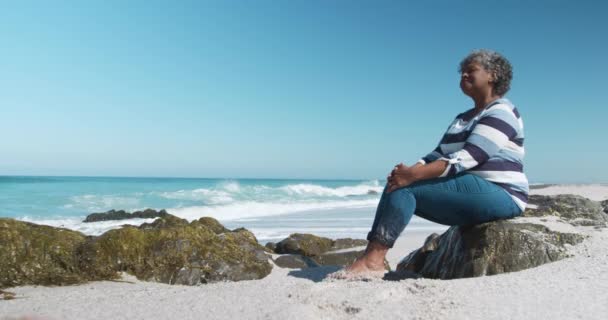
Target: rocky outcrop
122, 215
506, 245
176, 253
574, 209
168, 250
35, 254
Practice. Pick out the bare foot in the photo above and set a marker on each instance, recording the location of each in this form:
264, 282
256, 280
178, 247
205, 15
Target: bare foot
362, 264
361, 269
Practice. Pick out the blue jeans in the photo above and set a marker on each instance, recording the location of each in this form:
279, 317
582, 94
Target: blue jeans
463, 199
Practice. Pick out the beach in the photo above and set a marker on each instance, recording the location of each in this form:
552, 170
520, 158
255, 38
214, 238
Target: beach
573, 288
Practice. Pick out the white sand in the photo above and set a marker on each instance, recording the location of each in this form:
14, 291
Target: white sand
573, 288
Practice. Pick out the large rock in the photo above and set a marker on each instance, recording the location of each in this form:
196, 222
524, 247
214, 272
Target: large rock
174, 252
487, 249
575, 209
121, 215
168, 250
32, 254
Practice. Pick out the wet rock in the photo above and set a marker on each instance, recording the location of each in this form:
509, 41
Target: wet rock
372, 192
121, 215
605, 206
575, 209
487, 249
175, 253
32, 254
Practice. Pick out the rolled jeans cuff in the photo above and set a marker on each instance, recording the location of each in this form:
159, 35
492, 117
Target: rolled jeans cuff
372, 236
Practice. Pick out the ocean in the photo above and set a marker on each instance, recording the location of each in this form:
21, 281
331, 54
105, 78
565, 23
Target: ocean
270, 208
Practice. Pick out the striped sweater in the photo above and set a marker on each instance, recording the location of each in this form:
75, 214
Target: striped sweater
490, 145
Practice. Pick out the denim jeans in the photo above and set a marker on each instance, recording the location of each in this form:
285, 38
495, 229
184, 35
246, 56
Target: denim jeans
463, 199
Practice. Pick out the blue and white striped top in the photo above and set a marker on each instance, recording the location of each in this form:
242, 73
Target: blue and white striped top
490, 145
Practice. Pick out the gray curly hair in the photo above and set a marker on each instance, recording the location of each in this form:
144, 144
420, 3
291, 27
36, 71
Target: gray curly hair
493, 62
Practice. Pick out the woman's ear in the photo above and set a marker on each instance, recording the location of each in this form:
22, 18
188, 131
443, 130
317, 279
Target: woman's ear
492, 77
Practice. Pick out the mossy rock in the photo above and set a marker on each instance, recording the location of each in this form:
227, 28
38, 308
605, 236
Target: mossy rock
32, 254
305, 244
164, 222
176, 254
212, 224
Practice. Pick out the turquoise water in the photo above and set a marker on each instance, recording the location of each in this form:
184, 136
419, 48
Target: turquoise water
271, 208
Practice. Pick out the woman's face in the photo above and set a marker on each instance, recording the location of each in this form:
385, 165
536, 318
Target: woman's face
475, 80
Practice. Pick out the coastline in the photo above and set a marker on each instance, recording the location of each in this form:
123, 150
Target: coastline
571, 288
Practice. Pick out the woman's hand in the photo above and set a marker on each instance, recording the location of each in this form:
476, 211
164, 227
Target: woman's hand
400, 177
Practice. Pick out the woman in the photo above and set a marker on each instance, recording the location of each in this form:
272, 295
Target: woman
474, 175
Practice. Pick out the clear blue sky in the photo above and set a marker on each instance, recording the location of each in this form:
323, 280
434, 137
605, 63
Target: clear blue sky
288, 89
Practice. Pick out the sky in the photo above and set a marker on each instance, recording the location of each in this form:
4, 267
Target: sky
288, 89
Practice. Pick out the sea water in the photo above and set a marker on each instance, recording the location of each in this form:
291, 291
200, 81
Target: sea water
272, 209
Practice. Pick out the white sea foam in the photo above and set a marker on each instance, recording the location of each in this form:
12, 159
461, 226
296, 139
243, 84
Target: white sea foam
207, 195
95, 203
344, 191
249, 209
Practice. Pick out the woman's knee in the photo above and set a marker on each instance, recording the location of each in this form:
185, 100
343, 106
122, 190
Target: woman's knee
400, 198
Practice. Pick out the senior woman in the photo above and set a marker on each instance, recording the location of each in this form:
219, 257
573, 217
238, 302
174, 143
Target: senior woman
474, 175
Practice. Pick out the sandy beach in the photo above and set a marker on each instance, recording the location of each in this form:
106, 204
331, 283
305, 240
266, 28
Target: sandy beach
573, 288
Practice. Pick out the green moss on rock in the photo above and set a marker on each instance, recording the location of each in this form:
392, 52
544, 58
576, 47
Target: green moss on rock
36, 254
305, 244
176, 254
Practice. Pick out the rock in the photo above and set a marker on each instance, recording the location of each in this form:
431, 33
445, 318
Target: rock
487, 249
32, 254
311, 245
271, 247
575, 209
347, 243
121, 215
168, 250
212, 224
295, 261
540, 186
174, 252
371, 192
166, 221
309, 251
305, 244
338, 259
605, 206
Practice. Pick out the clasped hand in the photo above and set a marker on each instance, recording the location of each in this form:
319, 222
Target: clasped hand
401, 176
